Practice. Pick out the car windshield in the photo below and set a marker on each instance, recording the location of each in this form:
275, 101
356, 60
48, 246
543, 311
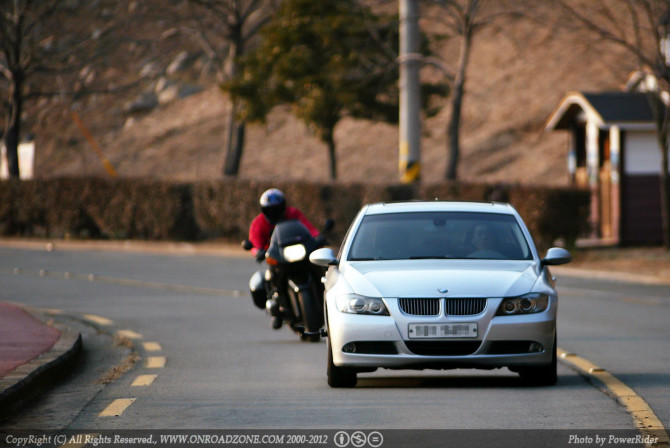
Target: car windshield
439, 235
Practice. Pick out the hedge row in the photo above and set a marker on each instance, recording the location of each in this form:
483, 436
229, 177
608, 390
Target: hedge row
155, 210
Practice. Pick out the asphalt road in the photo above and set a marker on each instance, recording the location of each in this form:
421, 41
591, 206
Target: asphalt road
214, 362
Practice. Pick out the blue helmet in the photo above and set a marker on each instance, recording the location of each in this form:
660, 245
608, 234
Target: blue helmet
273, 205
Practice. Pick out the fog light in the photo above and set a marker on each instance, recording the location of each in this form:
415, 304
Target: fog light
349, 348
535, 347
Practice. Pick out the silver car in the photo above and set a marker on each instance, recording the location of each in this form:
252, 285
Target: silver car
440, 285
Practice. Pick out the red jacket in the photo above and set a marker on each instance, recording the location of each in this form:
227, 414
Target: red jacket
261, 229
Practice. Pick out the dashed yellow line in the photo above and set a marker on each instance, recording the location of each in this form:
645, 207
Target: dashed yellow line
144, 380
644, 417
152, 346
130, 334
156, 362
117, 407
103, 321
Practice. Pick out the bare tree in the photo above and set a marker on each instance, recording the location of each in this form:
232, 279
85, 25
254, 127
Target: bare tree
20, 43
234, 23
37, 54
642, 28
461, 20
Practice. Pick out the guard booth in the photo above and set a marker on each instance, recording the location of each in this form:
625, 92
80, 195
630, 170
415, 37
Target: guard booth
613, 151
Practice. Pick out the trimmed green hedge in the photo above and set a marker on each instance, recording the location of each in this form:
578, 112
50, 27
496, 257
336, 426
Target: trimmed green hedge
155, 210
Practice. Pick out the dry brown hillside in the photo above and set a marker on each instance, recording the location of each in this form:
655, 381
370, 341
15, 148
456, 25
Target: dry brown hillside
518, 73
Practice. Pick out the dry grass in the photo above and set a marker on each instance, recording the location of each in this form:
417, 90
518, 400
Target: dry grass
518, 73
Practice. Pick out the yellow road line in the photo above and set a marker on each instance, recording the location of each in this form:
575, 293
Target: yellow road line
650, 302
144, 380
117, 407
98, 320
644, 417
130, 334
53, 311
156, 362
152, 346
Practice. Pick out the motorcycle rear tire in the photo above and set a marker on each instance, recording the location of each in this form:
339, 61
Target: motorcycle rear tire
311, 314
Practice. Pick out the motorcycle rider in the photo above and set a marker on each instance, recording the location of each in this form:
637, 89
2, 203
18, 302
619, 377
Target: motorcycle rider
274, 209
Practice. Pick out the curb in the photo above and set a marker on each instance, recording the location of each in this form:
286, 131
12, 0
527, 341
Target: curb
30, 379
625, 277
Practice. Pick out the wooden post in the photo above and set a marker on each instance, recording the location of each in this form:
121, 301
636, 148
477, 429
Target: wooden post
592, 162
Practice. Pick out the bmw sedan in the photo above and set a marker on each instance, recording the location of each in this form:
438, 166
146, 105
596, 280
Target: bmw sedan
440, 285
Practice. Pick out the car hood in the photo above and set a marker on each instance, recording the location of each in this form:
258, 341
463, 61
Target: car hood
429, 278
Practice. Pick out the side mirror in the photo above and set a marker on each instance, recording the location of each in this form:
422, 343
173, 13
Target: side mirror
324, 257
556, 256
246, 245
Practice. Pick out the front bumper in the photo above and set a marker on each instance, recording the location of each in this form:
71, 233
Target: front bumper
383, 341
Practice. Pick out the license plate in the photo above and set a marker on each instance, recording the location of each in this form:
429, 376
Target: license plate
459, 330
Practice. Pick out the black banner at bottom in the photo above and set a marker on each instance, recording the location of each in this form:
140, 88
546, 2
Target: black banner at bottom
330, 438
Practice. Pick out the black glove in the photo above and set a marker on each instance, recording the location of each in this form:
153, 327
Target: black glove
321, 240
260, 256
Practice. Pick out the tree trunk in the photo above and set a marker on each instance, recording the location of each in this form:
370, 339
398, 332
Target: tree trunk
235, 144
330, 141
13, 124
236, 129
453, 131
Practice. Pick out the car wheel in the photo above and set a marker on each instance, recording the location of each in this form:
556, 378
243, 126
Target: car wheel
542, 375
339, 376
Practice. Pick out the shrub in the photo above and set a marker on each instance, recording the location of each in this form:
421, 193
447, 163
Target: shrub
155, 210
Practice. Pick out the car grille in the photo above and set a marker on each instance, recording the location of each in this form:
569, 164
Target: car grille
420, 307
431, 307
464, 307
443, 348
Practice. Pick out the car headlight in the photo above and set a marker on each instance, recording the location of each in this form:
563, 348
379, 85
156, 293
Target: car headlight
535, 302
355, 304
296, 252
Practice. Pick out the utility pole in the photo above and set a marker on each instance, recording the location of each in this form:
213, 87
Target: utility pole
410, 96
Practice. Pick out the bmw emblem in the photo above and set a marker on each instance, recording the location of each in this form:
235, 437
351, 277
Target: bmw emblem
442, 290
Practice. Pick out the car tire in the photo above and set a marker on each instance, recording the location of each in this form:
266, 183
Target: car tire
339, 376
542, 375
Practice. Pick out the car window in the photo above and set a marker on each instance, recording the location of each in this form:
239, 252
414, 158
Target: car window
449, 235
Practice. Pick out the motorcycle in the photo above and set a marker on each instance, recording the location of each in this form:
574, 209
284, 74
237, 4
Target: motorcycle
291, 288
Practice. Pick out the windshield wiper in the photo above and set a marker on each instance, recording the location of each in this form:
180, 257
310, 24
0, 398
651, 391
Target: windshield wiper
431, 257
